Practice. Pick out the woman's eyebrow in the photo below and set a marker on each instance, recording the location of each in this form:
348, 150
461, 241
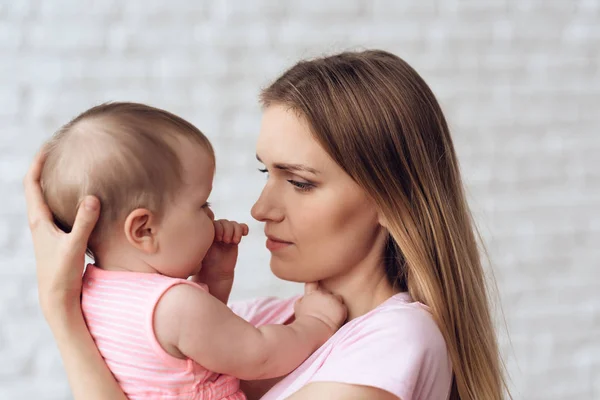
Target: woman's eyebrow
292, 167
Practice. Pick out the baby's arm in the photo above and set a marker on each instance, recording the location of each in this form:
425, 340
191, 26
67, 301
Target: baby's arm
219, 282
191, 323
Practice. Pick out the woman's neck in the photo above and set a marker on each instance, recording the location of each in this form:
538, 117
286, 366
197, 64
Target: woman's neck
363, 287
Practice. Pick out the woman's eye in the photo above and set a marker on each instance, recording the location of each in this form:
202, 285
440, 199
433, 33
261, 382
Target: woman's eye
264, 171
206, 205
301, 186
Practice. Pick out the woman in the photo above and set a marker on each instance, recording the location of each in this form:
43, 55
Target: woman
364, 196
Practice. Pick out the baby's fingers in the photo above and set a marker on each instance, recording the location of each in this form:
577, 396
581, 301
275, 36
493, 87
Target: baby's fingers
218, 230
237, 234
310, 287
228, 231
239, 231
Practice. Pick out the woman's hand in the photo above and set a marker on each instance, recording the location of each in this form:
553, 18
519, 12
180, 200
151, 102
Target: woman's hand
59, 256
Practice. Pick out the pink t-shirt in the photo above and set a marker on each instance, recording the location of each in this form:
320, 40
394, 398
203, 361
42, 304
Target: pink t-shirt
396, 347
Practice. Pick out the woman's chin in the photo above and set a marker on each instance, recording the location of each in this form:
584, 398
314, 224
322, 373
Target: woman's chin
289, 273
284, 273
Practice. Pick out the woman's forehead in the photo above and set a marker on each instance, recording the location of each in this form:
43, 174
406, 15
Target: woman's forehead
286, 138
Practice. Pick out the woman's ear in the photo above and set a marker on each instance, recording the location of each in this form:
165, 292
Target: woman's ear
141, 230
381, 220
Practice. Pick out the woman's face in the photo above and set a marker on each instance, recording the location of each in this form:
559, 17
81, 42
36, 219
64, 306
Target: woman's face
319, 223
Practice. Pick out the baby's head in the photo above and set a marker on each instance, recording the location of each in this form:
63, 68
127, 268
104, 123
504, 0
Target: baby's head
152, 172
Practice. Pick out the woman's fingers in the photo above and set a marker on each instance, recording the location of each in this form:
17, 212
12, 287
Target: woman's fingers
87, 216
37, 210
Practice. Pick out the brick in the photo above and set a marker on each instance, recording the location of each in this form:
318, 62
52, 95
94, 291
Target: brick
518, 81
18, 10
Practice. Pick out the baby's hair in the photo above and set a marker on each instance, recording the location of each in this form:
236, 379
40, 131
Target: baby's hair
122, 153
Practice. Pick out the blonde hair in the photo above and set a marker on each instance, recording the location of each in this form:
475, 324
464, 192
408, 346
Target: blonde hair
378, 119
124, 154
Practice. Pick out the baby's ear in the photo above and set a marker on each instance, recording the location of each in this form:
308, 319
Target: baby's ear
141, 230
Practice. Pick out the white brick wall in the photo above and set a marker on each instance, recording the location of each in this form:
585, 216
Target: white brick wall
519, 81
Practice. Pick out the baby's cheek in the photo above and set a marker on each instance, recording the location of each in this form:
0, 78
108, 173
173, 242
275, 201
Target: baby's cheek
209, 230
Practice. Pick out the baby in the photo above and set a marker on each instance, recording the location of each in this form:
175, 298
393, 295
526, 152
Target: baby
162, 335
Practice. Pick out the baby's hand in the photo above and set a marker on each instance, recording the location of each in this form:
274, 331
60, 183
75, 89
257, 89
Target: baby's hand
219, 262
229, 232
322, 305
221, 258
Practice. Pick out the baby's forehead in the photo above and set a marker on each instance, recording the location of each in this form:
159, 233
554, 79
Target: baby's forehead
198, 165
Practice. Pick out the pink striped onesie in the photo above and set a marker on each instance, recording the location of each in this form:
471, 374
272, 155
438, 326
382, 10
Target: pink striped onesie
119, 311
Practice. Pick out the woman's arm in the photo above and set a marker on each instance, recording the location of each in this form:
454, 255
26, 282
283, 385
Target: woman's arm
88, 375
340, 391
60, 258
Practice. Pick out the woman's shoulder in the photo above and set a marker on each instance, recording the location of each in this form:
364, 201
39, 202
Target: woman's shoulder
402, 320
396, 347
401, 314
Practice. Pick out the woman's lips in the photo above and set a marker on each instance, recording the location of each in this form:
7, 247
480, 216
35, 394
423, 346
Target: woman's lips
276, 244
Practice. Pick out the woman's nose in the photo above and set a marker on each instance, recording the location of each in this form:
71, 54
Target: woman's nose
265, 209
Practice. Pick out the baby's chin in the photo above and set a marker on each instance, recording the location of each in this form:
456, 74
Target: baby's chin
181, 272
195, 270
